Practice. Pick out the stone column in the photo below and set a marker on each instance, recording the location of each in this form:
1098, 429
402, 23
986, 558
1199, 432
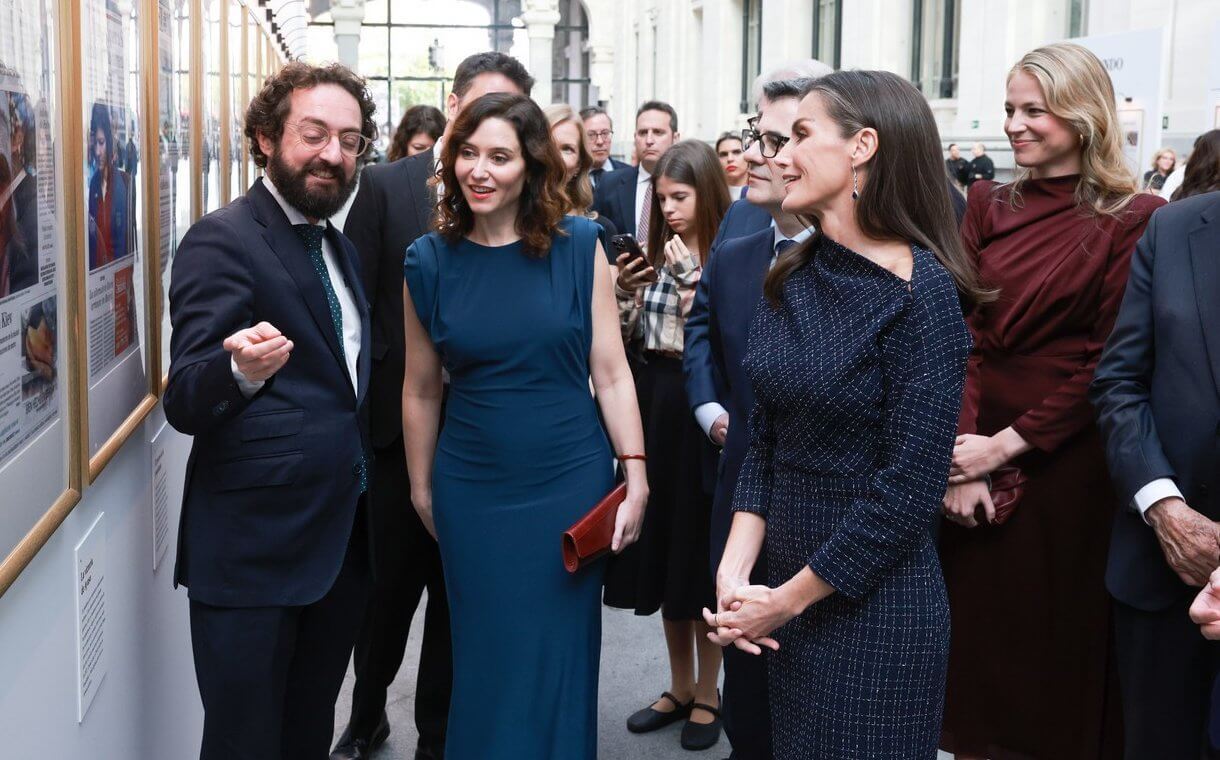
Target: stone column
540, 17
348, 15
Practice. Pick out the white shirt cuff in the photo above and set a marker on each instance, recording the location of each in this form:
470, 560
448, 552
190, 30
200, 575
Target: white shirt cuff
1161, 488
706, 414
247, 387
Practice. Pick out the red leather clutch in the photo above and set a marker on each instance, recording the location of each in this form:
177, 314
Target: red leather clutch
590, 537
1007, 488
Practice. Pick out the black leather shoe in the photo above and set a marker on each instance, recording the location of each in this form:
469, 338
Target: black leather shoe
429, 753
699, 736
359, 747
649, 719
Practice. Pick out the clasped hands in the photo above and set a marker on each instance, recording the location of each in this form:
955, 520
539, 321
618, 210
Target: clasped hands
747, 615
1205, 610
974, 458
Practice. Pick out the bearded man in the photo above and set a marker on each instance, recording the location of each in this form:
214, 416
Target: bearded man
269, 368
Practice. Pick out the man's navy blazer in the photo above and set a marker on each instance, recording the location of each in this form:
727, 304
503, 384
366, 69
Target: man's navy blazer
715, 338
614, 198
700, 365
1157, 391
393, 207
615, 165
273, 481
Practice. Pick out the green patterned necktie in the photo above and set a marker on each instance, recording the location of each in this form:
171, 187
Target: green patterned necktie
311, 236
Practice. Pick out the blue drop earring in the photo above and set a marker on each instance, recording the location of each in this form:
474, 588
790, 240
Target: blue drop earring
855, 184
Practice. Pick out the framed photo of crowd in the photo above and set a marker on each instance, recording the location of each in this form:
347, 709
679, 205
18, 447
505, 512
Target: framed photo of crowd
39, 461
115, 236
120, 123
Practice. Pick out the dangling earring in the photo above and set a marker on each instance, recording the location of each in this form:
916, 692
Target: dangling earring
855, 184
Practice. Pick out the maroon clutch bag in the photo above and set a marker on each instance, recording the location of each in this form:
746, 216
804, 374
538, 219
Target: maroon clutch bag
589, 539
1007, 488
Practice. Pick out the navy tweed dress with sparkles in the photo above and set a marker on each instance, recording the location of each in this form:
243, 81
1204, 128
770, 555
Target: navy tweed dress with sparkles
858, 378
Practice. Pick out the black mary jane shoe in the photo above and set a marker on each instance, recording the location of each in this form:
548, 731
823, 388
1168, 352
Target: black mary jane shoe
700, 736
649, 719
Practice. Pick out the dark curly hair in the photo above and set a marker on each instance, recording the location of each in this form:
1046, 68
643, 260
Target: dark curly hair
426, 119
269, 108
543, 200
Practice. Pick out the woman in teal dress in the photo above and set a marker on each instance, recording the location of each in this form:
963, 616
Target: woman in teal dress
514, 300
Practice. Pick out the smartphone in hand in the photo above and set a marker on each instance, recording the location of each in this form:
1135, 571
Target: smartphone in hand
626, 244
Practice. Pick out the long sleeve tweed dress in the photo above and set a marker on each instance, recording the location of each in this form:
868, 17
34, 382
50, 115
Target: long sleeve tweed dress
858, 377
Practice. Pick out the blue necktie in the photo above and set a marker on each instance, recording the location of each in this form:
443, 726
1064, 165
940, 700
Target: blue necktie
311, 236
783, 245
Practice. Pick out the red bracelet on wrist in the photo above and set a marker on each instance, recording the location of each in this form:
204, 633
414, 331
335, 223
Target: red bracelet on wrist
625, 457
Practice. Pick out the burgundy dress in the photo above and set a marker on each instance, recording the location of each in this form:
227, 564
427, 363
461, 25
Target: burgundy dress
1031, 672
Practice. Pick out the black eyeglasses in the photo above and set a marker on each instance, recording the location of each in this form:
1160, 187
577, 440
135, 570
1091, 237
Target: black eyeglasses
770, 143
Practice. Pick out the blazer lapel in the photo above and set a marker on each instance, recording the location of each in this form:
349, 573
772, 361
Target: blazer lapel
287, 246
1204, 241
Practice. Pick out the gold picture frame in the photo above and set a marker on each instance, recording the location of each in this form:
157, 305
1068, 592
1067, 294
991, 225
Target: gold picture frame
94, 459
172, 109
63, 43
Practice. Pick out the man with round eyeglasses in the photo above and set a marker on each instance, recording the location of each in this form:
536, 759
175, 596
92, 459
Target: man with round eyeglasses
599, 136
269, 370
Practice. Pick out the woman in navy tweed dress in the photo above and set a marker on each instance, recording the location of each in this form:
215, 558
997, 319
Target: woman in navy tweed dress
857, 361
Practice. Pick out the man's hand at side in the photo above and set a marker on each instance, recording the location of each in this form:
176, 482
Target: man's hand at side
1188, 539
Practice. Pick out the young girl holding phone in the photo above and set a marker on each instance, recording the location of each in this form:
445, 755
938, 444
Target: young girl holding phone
668, 569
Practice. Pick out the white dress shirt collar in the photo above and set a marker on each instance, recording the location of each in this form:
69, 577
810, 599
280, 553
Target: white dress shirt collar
798, 238
343, 290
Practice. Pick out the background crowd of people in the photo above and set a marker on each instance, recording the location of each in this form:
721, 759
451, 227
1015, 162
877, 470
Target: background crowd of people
921, 470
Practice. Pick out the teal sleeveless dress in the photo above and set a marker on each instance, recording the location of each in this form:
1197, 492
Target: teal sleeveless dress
521, 456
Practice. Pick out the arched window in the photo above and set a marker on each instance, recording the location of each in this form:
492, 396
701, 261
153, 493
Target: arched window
409, 50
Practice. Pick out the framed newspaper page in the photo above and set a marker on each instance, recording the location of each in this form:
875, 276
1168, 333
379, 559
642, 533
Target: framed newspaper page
40, 464
118, 176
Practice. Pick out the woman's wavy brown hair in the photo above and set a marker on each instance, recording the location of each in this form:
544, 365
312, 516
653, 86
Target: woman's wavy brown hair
903, 195
1078, 90
691, 162
580, 187
543, 202
270, 107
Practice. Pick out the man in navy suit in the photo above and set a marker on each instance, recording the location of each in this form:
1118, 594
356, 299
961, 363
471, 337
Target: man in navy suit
625, 196
1157, 394
599, 134
751, 235
269, 371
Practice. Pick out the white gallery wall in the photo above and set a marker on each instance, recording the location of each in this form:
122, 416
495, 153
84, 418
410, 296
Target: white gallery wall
147, 705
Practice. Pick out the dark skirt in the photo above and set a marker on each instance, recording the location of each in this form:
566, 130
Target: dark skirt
668, 568
1031, 659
